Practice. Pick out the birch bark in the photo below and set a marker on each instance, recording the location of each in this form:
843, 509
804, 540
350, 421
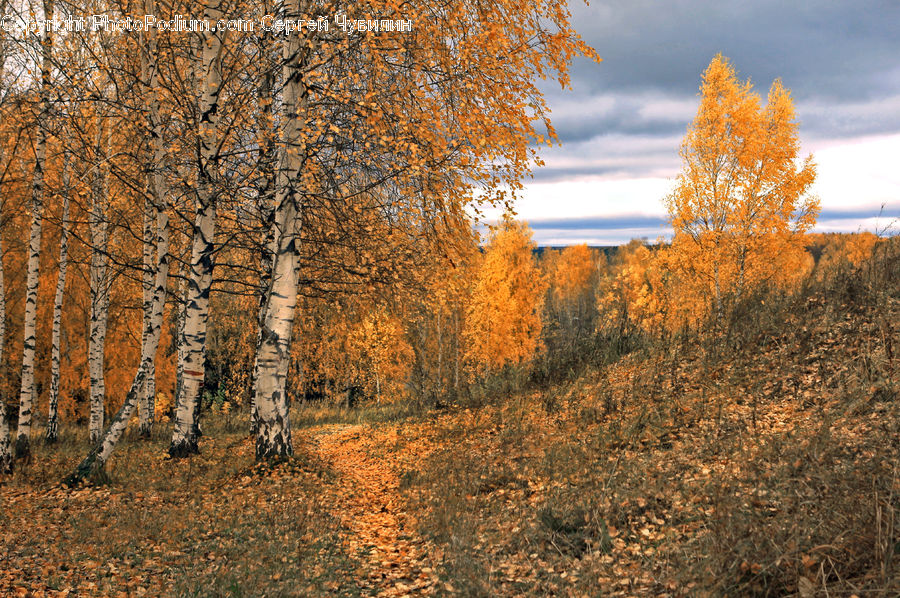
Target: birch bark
273, 435
6, 460
99, 279
26, 395
5, 452
193, 337
53, 402
266, 160
150, 336
155, 282
105, 446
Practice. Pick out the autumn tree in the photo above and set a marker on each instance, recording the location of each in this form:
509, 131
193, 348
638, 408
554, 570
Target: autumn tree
6, 457
156, 218
375, 115
352, 148
53, 401
740, 205
841, 249
27, 394
572, 275
503, 319
437, 313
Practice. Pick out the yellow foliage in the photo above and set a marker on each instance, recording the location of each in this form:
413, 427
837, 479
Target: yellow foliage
573, 271
739, 209
379, 345
503, 319
854, 249
164, 405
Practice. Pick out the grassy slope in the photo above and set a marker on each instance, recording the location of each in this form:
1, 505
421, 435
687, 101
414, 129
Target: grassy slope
762, 462
214, 525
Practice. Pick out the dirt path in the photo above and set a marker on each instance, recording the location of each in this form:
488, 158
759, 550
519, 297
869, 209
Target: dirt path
383, 534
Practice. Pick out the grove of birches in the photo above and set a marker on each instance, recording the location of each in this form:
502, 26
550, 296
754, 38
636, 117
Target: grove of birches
210, 225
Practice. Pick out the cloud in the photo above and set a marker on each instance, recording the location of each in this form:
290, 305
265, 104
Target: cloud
618, 229
819, 49
839, 59
622, 122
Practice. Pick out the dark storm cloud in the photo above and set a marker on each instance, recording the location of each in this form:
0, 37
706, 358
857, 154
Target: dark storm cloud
626, 221
841, 61
619, 229
645, 221
819, 49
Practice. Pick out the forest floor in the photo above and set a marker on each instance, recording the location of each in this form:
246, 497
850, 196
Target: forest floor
761, 462
381, 530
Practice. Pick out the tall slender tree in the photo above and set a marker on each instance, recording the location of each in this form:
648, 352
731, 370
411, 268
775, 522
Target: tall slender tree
193, 337
273, 432
6, 460
53, 401
366, 119
27, 393
100, 280
156, 212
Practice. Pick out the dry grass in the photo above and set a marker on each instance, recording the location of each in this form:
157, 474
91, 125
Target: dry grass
213, 525
759, 460
764, 461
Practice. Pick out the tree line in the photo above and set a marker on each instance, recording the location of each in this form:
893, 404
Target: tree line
238, 221
147, 174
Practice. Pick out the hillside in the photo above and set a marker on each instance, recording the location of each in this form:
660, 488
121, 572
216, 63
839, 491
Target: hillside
760, 461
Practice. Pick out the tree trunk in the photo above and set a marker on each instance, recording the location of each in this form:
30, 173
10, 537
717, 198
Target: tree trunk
718, 294
266, 208
147, 392
273, 436
158, 192
26, 395
103, 449
99, 227
193, 338
95, 460
5, 452
52, 410
6, 459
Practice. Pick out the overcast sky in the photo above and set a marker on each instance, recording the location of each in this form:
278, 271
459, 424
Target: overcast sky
622, 122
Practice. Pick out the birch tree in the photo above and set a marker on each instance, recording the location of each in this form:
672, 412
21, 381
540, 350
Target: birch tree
367, 118
740, 205
53, 401
99, 276
265, 193
156, 212
273, 433
193, 337
26, 395
6, 460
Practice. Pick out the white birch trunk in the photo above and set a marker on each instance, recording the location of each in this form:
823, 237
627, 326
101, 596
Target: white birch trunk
193, 338
179, 332
52, 405
266, 207
5, 452
273, 436
158, 192
150, 336
148, 390
6, 460
26, 395
99, 228
105, 446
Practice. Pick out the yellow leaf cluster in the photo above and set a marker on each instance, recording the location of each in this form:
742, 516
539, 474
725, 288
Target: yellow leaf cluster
503, 318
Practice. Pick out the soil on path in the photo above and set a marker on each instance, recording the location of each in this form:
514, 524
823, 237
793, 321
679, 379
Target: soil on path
381, 532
